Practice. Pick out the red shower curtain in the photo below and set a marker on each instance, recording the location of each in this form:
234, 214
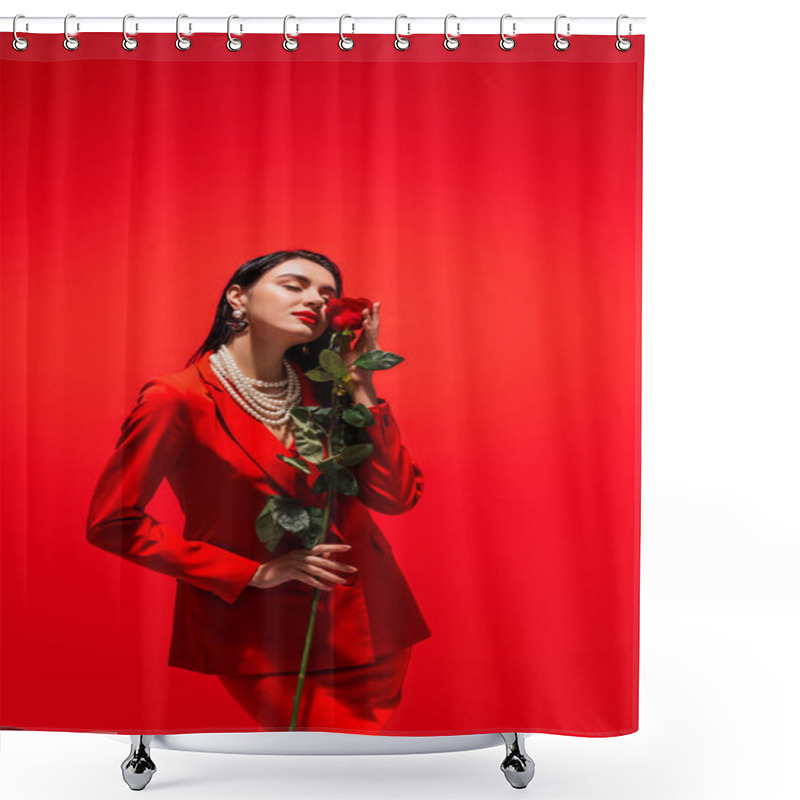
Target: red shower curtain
490, 200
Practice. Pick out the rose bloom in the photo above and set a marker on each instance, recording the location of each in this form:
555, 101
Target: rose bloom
346, 312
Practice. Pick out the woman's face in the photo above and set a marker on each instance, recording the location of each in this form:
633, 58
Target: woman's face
290, 298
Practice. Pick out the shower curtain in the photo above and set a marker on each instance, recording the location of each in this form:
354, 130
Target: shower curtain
437, 254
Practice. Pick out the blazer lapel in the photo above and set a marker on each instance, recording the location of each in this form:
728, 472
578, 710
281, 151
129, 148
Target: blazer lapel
254, 438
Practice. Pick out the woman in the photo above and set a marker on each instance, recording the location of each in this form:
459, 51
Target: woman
213, 431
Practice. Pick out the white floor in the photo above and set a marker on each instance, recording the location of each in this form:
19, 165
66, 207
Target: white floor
719, 700
719, 696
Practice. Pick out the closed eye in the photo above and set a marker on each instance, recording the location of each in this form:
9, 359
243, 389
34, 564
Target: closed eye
328, 296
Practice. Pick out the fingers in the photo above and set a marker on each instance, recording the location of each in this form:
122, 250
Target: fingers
304, 577
318, 549
368, 340
371, 314
320, 555
331, 546
326, 562
311, 572
323, 573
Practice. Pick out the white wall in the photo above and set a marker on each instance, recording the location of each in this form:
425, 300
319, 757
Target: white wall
720, 476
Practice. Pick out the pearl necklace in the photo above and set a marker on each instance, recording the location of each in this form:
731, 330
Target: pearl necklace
271, 409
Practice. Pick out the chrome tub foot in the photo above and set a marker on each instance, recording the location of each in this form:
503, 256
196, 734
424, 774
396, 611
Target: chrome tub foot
517, 766
138, 768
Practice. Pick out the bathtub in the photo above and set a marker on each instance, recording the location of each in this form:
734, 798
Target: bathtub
138, 767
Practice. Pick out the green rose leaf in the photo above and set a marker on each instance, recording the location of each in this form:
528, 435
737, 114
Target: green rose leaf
315, 532
267, 529
295, 462
333, 363
340, 479
319, 375
354, 454
309, 445
290, 515
303, 417
322, 416
309, 538
317, 515
358, 415
320, 484
338, 439
378, 359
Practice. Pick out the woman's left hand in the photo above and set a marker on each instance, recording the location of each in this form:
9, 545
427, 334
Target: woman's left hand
361, 379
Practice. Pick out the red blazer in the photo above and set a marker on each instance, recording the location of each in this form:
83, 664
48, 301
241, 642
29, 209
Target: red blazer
222, 465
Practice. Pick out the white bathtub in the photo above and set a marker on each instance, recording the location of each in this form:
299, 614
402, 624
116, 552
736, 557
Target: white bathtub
138, 768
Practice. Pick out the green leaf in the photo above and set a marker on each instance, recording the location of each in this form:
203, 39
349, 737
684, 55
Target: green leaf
315, 532
320, 484
338, 439
295, 462
340, 479
354, 454
309, 446
290, 515
267, 529
302, 416
317, 515
358, 415
322, 416
333, 363
378, 359
319, 375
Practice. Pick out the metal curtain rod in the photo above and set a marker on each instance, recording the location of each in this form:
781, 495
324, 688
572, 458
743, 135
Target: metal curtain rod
407, 26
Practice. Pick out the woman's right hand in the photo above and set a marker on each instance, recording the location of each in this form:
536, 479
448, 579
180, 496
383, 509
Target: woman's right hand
303, 565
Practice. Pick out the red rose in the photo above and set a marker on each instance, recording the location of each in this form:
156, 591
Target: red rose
346, 312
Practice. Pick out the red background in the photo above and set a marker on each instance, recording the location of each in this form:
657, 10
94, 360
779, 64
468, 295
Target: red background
490, 200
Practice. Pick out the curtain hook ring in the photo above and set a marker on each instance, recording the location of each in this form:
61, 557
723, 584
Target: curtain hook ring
182, 42
623, 44
128, 42
19, 43
400, 42
289, 42
506, 42
345, 42
234, 44
560, 42
451, 42
70, 42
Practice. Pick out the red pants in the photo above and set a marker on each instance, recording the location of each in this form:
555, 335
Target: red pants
349, 699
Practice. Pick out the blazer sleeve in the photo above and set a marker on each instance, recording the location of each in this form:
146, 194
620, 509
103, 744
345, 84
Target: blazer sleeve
389, 481
152, 439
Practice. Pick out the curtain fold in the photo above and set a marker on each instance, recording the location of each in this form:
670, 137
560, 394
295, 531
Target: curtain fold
490, 201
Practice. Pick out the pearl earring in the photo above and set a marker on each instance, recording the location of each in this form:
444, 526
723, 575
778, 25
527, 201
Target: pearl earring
241, 323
